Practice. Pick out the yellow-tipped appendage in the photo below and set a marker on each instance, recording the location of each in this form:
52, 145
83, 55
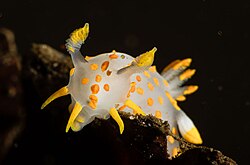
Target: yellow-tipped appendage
190, 89
76, 110
61, 92
146, 59
183, 64
134, 106
187, 74
181, 98
115, 115
193, 136
171, 65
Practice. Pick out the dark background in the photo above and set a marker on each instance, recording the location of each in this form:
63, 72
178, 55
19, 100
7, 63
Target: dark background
215, 34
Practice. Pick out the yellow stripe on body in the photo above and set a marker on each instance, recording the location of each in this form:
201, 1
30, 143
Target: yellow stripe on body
172, 101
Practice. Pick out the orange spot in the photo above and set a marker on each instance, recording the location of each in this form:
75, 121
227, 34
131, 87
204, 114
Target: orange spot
160, 100
95, 88
113, 56
174, 131
93, 101
71, 72
156, 81
128, 95
98, 78
158, 114
93, 66
150, 101
165, 82
132, 83
146, 74
122, 107
92, 105
132, 89
109, 73
150, 86
85, 80
140, 91
93, 98
106, 87
138, 78
170, 139
152, 69
105, 65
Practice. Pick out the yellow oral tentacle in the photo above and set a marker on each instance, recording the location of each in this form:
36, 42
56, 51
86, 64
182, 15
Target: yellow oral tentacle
77, 109
115, 115
61, 92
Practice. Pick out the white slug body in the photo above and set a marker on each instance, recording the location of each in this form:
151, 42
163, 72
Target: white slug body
104, 84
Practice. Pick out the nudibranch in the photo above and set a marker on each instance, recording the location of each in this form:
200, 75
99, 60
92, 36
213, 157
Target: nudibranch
102, 85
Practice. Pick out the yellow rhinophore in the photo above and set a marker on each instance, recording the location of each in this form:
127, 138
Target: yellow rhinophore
80, 35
